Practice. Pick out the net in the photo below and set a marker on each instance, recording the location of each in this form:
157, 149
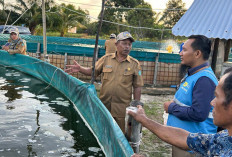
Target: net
82, 95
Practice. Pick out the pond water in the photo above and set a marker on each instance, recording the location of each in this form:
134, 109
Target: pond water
40, 121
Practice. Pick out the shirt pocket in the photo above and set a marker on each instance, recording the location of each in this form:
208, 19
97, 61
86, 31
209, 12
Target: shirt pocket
127, 77
107, 73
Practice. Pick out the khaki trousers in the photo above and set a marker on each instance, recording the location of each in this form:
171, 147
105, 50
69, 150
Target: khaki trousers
121, 123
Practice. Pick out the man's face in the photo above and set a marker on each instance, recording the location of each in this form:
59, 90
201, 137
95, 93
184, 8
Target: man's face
222, 115
187, 55
13, 36
124, 47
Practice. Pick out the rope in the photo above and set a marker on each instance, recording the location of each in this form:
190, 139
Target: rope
22, 64
6, 22
51, 79
136, 144
20, 16
34, 63
122, 8
116, 22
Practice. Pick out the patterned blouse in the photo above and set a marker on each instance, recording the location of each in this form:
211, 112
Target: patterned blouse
211, 145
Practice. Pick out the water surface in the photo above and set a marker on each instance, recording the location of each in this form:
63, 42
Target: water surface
40, 121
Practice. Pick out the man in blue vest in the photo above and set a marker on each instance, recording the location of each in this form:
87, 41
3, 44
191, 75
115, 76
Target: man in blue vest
206, 145
190, 109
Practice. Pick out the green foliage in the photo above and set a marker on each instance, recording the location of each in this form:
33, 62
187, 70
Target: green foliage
127, 3
32, 13
2, 3
64, 17
170, 17
7, 10
3, 17
92, 28
141, 18
113, 13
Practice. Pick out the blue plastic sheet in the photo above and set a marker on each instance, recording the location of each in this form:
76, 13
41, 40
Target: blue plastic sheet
82, 95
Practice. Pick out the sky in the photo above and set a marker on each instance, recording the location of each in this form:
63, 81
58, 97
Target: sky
94, 6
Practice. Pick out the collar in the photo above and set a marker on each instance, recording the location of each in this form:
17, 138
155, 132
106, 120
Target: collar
128, 58
14, 41
193, 70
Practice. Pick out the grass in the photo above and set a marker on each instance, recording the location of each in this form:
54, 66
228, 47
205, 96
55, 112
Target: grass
68, 35
151, 145
102, 36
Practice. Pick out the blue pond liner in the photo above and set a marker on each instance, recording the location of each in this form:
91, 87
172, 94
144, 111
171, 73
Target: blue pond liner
83, 96
85, 47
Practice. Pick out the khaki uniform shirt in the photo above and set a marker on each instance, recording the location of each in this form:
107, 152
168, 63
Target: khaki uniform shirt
110, 46
117, 82
18, 47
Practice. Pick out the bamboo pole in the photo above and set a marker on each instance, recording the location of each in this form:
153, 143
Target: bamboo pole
44, 33
96, 42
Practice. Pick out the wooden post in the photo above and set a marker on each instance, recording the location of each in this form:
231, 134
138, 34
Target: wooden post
227, 50
157, 61
44, 33
215, 54
96, 43
65, 60
38, 51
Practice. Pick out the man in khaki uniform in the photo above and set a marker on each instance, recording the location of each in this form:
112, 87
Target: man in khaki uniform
110, 44
120, 72
15, 44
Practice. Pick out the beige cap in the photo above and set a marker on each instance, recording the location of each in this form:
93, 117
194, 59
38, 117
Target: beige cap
14, 30
112, 36
125, 35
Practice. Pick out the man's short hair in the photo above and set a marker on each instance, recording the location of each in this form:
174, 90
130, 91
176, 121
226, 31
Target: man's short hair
227, 86
201, 43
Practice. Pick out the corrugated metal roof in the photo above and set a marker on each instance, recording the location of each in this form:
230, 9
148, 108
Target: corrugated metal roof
212, 18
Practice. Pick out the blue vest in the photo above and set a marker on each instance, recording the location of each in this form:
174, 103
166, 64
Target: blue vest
183, 97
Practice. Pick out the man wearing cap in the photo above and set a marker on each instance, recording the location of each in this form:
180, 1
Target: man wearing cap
120, 72
15, 44
190, 109
110, 44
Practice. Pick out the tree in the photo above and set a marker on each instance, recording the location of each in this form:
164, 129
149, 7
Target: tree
66, 17
32, 12
175, 9
141, 18
127, 3
5, 12
2, 3
111, 14
3, 17
114, 12
92, 28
